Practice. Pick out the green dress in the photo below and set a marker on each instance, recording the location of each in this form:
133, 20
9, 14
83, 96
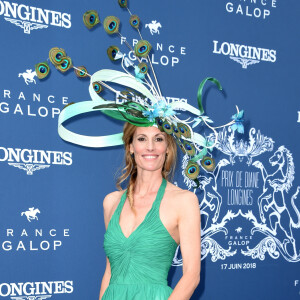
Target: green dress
141, 262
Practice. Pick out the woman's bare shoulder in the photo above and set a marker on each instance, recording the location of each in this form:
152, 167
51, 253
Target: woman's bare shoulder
180, 197
178, 192
112, 199
110, 204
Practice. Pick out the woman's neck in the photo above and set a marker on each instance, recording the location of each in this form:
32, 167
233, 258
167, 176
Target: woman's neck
147, 182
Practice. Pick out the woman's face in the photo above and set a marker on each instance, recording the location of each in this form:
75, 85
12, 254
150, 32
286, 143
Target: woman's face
149, 146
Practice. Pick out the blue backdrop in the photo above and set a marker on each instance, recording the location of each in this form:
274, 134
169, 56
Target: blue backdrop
250, 205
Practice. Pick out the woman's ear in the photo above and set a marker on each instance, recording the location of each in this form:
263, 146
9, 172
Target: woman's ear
131, 148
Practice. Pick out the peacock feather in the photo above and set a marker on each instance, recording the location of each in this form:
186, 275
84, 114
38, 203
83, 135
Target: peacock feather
143, 68
114, 53
184, 130
180, 144
56, 55
192, 170
42, 70
65, 65
81, 72
176, 131
189, 148
159, 123
91, 19
122, 3
135, 21
97, 87
111, 24
142, 48
208, 163
167, 127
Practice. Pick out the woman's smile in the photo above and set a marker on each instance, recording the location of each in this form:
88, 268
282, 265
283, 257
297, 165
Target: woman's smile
150, 157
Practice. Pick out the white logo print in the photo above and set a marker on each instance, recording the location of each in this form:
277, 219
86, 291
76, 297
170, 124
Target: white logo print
30, 17
35, 290
31, 160
31, 214
256, 193
239, 229
278, 184
27, 26
153, 27
254, 9
244, 61
30, 239
29, 168
32, 297
28, 76
244, 55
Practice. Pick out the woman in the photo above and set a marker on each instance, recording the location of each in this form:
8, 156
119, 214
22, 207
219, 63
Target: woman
147, 222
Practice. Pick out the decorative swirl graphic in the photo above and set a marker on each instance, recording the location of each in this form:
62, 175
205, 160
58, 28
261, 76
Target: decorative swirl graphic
278, 214
268, 244
217, 252
257, 145
274, 247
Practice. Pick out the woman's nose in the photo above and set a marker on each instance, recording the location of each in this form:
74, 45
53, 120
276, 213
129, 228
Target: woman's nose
150, 145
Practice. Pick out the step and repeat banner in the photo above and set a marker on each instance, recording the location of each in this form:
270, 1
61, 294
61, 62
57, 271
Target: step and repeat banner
51, 216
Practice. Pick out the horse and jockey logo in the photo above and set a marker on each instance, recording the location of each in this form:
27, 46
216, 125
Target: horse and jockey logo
31, 213
28, 76
153, 27
248, 205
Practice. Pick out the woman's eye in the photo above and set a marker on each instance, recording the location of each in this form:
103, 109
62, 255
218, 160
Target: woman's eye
159, 139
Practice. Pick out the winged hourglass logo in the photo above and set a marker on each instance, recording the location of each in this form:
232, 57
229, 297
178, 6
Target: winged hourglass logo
31, 297
244, 61
27, 26
29, 168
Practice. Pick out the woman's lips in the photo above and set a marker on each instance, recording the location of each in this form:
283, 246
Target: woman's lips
149, 157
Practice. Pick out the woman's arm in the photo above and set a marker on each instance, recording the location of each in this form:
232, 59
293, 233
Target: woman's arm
108, 203
105, 279
190, 244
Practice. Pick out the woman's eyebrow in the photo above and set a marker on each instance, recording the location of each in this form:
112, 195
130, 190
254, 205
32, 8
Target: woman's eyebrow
142, 134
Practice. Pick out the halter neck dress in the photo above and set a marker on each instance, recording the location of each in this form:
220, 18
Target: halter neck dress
141, 262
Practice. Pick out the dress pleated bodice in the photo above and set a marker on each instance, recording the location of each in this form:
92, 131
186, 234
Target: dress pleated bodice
140, 263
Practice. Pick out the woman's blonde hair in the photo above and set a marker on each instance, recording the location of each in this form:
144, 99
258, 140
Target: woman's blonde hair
130, 168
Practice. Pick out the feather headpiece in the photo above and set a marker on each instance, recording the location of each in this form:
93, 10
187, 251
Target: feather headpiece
142, 102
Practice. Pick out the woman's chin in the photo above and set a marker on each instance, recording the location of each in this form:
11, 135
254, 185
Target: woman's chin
150, 167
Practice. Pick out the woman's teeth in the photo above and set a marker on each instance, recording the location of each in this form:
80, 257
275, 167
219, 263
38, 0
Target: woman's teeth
150, 156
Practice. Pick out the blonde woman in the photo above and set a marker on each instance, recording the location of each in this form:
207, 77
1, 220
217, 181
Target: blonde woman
146, 223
